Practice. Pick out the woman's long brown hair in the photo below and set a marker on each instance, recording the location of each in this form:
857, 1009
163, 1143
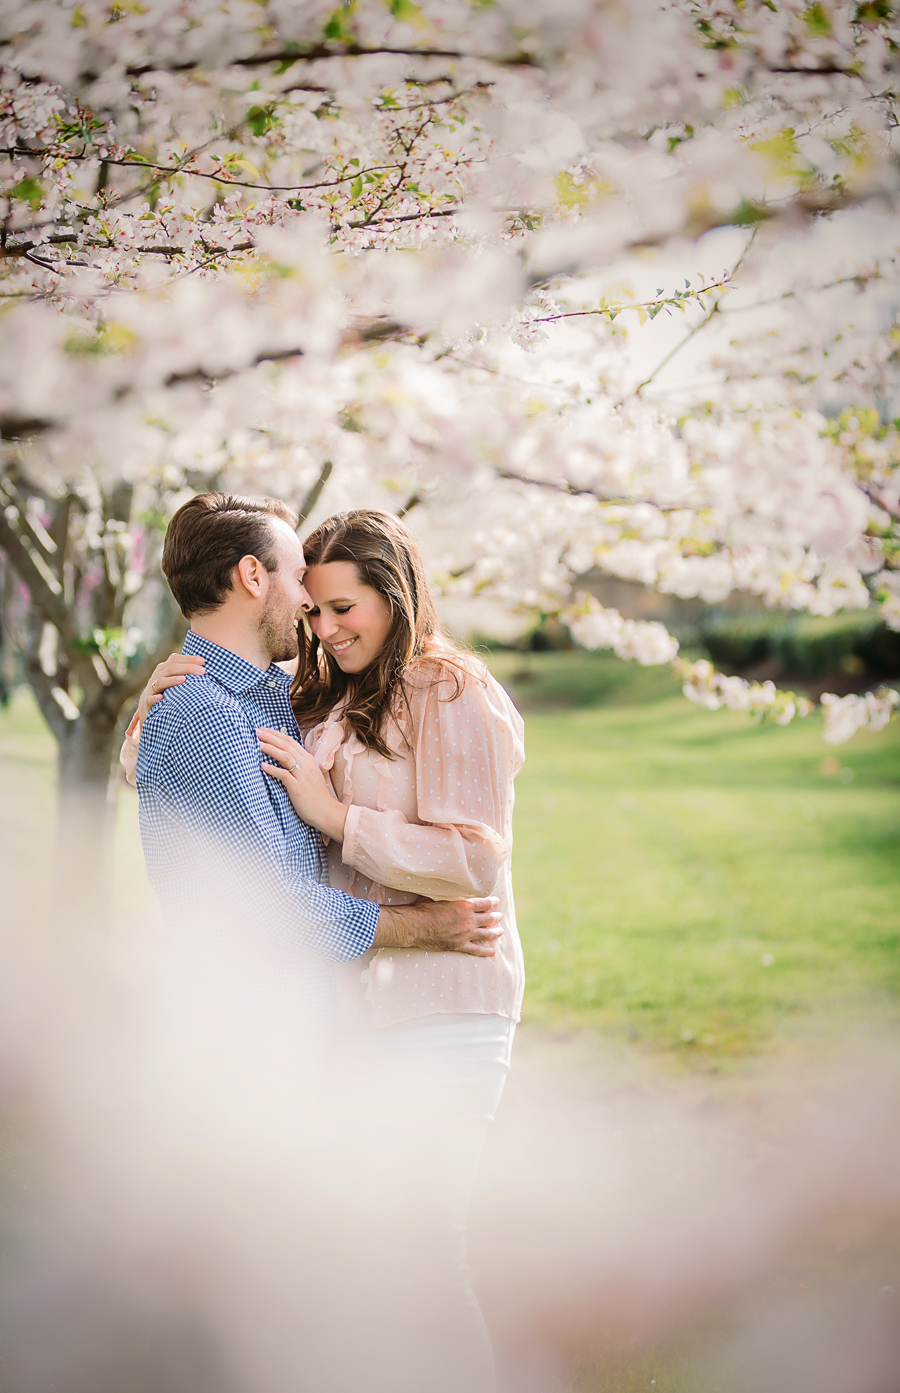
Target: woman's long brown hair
387, 559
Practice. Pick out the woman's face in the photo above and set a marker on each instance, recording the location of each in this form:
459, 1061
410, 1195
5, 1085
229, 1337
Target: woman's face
350, 619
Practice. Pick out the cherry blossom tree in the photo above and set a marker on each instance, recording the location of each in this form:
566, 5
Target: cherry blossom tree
396, 253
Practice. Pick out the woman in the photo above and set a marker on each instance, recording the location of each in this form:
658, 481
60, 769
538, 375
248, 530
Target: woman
411, 749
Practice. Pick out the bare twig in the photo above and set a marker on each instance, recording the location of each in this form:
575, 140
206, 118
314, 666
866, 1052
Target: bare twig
710, 314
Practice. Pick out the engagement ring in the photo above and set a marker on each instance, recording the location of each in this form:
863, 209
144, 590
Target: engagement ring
293, 766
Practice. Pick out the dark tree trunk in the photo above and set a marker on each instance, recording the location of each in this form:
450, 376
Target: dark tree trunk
86, 812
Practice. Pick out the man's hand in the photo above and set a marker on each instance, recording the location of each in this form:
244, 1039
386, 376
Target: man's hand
451, 926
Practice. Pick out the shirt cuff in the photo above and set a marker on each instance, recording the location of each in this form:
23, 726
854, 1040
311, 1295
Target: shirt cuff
351, 831
369, 926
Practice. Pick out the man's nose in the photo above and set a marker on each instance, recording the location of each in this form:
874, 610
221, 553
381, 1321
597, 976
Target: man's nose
306, 603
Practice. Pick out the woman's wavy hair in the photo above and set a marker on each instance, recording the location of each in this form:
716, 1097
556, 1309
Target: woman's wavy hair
387, 559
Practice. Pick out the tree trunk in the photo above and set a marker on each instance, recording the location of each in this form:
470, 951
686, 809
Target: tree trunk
86, 813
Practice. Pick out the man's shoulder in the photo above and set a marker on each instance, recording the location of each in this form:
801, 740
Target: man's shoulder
198, 707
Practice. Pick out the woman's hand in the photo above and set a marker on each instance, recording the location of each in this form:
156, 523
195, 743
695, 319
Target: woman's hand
305, 784
173, 671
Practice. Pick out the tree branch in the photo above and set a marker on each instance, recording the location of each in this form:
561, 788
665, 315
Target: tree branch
40, 683
701, 324
573, 492
220, 176
51, 605
137, 677
315, 52
710, 314
314, 493
413, 501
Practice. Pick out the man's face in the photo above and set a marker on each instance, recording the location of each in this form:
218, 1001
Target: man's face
286, 598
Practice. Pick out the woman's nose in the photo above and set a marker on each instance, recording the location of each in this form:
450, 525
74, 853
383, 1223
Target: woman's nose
327, 626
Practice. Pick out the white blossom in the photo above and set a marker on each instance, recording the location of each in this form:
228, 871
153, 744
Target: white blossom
251, 245
844, 716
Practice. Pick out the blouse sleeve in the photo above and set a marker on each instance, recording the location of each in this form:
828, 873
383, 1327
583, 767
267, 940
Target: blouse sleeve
129, 751
467, 753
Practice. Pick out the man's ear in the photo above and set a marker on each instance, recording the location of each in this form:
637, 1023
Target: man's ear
251, 577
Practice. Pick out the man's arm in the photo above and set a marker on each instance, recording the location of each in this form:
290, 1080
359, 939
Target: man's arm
204, 774
207, 776
451, 926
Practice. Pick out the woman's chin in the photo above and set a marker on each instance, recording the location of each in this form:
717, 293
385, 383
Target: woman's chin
348, 662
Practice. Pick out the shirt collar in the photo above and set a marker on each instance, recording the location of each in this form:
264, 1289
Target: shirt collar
231, 672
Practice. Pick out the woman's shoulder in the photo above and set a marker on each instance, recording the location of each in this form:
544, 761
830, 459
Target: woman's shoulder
445, 670
459, 680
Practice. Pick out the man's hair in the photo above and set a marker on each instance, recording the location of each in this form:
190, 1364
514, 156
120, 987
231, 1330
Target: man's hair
207, 538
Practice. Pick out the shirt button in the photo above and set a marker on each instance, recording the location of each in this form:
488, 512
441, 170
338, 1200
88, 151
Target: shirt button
283, 728
273, 684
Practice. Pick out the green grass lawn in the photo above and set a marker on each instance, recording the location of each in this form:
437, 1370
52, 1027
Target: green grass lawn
686, 880
693, 881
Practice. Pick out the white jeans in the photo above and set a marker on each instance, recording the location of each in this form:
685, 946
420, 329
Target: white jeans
427, 1091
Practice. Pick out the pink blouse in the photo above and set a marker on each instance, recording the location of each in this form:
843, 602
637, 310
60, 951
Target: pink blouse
435, 820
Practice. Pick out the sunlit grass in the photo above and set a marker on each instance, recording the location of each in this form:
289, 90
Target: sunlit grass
694, 882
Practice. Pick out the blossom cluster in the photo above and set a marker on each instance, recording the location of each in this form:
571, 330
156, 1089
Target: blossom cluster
713, 690
595, 626
844, 716
380, 253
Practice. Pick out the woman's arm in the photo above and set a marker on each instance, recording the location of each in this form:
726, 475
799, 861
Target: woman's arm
129, 751
467, 752
171, 673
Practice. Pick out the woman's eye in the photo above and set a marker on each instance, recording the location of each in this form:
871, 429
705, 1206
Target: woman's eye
346, 609
312, 614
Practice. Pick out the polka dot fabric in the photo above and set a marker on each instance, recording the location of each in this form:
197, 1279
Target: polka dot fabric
435, 820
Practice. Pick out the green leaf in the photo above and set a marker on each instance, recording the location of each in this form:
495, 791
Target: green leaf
108, 339
261, 119
873, 12
356, 188
817, 21
407, 13
780, 151
570, 194
288, 62
339, 25
29, 191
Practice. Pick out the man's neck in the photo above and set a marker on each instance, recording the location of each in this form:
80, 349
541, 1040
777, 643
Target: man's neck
233, 636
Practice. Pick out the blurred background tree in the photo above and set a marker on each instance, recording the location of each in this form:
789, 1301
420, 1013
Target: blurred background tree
395, 254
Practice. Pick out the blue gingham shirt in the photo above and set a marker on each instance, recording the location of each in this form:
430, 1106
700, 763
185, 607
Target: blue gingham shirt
221, 838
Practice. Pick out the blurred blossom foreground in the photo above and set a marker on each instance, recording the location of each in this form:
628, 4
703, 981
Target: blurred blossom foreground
192, 1201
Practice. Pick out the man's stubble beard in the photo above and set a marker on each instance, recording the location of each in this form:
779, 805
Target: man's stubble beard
278, 627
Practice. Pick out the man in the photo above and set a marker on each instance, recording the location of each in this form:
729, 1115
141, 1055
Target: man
225, 850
